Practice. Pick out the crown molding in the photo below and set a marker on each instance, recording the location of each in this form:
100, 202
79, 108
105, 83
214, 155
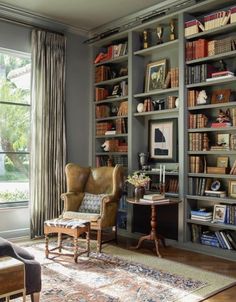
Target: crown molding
9, 13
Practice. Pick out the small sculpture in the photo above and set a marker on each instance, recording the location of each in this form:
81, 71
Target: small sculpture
223, 117
202, 97
143, 160
159, 32
140, 107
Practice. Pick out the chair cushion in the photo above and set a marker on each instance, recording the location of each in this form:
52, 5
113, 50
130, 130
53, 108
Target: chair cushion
84, 216
91, 203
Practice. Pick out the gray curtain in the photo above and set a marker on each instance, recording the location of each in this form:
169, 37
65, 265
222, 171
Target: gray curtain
48, 144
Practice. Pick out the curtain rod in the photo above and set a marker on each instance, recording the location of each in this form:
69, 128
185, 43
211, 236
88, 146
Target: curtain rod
26, 24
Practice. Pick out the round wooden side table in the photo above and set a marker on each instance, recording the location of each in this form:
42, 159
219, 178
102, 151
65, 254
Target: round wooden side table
153, 236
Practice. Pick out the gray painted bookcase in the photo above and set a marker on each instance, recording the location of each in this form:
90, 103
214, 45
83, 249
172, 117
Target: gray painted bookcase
135, 133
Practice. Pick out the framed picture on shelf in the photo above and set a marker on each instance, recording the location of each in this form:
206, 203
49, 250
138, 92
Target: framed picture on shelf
163, 140
223, 139
232, 188
155, 75
222, 161
221, 96
219, 213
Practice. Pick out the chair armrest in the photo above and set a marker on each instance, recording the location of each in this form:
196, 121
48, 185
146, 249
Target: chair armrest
72, 201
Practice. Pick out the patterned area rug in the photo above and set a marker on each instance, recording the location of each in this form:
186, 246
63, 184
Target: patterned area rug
108, 278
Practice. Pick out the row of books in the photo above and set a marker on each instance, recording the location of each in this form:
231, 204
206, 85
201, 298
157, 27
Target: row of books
203, 48
220, 239
110, 52
201, 215
192, 97
210, 21
198, 73
120, 89
225, 239
107, 160
102, 73
119, 126
199, 120
196, 164
201, 186
102, 111
172, 78
198, 141
172, 185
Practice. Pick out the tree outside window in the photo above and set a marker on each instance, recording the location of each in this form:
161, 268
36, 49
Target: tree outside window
14, 127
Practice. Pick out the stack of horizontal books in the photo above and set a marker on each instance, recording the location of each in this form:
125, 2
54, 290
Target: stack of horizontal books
201, 215
154, 198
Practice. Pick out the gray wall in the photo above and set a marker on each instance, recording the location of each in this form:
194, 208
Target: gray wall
14, 222
77, 100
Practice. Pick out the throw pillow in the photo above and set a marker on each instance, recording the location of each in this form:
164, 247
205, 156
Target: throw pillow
91, 203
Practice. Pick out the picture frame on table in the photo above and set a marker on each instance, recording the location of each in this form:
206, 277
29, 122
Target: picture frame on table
155, 75
163, 140
219, 213
232, 188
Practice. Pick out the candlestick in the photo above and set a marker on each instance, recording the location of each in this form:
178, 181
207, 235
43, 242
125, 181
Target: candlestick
164, 173
160, 173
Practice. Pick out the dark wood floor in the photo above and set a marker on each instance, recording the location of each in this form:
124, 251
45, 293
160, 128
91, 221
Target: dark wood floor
204, 262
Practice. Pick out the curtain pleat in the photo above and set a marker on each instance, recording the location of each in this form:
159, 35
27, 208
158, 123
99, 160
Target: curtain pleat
48, 142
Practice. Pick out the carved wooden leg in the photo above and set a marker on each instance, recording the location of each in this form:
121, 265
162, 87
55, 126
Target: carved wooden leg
75, 249
99, 241
116, 241
59, 242
35, 297
46, 246
88, 241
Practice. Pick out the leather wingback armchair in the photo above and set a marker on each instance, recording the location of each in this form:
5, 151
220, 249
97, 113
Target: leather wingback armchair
107, 181
32, 267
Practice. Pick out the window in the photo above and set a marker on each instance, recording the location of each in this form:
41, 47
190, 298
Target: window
14, 127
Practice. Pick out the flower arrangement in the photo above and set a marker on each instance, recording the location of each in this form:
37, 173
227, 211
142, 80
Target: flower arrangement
138, 179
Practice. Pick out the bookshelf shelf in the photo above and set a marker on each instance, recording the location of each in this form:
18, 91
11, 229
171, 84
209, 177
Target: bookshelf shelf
112, 135
111, 153
111, 100
112, 81
215, 225
213, 83
229, 28
226, 55
208, 198
223, 129
150, 50
157, 173
223, 176
111, 118
156, 92
158, 112
212, 106
225, 152
114, 60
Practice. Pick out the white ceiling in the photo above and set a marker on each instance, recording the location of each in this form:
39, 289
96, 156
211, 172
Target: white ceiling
82, 14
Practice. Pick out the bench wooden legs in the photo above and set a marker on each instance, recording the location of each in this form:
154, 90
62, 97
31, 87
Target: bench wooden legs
35, 297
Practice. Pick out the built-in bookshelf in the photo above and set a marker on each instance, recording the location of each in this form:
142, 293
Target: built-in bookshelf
164, 75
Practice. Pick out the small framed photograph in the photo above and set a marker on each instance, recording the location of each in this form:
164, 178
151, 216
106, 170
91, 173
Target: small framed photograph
232, 188
222, 161
155, 75
116, 90
219, 213
223, 139
221, 96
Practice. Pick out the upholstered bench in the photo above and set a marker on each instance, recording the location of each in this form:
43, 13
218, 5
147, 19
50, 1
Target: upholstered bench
70, 227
